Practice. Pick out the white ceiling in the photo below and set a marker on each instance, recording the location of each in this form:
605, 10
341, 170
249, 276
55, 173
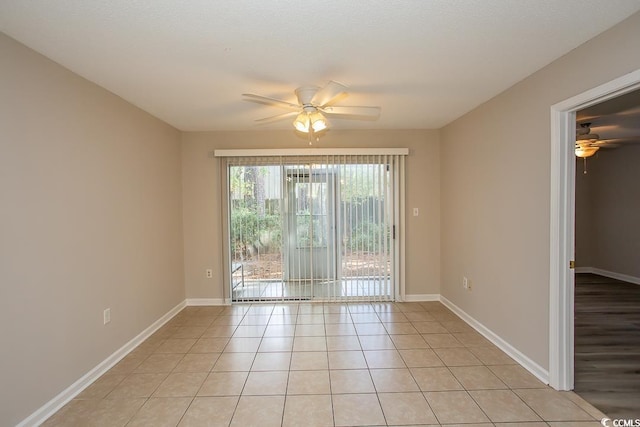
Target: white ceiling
425, 62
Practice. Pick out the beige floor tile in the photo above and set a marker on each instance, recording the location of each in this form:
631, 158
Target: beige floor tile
181, 385
472, 339
435, 379
584, 405
408, 342
456, 325
160, 412
159, 363
340, 319
269, 414
308, 382
209, 345
286, 309
376, 342
242, 345
406, 409
209, 411
197, 362
176, 345
392, 317
313, 411
455, 407
249, 331
420, 358
503, 406
75, 413
552, 405
339, 329
400, 328
280, 331
223, 384
432, 327
370, 329
575, 424
351, 381
383, 359
276, 344
286, 319
393, 380
227, 320
255, 320
105, 412
457, 357
347, 360
189, 332
280, 361
343, 343
310, 330
515, 376
234, 362
260, 309
309, 360
266, 383
309, 344
310, 319
137, 385
477, 378
523, 424
357, 410
419, 316
492, 356
442, 340
101, 387
365, 317
127, 365
221, 331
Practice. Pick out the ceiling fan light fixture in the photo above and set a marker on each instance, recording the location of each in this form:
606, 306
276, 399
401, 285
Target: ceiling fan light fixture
318, 122
585, 151
301, 123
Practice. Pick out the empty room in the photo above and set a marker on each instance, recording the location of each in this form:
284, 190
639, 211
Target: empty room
223, 213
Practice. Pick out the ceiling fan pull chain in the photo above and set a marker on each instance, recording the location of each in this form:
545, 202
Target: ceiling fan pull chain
585, 165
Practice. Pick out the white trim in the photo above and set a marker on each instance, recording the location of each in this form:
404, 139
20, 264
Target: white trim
207, 301
562, 223
609, 274
421, 297
531, 366
311, 152
52, 406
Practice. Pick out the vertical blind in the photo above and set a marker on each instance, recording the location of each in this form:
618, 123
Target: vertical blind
313, 227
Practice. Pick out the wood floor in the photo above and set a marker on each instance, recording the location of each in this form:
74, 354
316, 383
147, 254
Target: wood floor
607, 345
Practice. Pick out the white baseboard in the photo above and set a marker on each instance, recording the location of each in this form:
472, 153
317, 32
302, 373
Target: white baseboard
531, 366
609, 274
421, 297
52, 406
206, 301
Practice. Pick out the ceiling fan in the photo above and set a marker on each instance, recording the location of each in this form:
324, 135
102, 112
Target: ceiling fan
587, 143
314, 105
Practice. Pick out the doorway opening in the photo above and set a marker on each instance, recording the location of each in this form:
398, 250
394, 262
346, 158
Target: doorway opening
313, 228
562, 224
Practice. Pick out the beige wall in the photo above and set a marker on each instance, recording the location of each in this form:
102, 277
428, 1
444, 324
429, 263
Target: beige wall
202, 197
496, 191
608, 234
90, 218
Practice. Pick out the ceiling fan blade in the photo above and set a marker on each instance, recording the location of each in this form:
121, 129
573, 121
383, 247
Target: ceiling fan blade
277, 117
328, 93
354, 111
270, 101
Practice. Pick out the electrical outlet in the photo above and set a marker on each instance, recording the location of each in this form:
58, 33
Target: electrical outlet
106, 316
465, 283
209, 273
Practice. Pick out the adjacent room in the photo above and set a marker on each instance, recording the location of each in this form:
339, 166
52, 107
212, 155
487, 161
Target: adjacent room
330, 213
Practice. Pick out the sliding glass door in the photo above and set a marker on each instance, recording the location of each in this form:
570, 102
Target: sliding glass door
312, 228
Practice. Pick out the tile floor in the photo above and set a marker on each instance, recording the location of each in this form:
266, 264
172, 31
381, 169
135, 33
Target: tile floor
321, 365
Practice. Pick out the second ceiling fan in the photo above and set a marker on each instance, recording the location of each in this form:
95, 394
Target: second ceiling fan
314, 105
